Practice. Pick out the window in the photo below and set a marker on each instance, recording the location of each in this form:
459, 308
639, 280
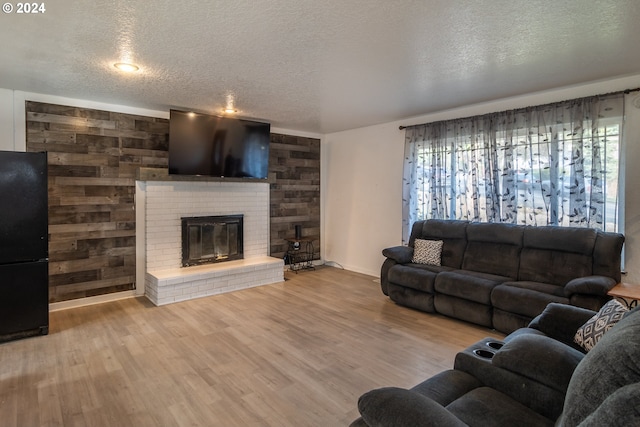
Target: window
556, 164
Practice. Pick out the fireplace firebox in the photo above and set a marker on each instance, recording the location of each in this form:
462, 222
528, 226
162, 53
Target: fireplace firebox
209, 239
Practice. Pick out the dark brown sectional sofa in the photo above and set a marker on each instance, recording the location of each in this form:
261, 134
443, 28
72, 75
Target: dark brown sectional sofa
503, 275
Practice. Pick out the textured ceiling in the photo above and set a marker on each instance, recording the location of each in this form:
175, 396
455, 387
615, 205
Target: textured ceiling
317, 66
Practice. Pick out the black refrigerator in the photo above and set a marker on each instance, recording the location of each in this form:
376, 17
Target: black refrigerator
24, 263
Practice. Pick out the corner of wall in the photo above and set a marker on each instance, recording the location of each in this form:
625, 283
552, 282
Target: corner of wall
6, 120
141, 237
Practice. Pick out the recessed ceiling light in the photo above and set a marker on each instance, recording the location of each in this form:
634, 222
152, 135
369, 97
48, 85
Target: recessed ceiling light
230, 105
127, 68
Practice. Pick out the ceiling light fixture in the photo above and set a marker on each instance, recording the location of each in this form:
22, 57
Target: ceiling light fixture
126, 67
230, 105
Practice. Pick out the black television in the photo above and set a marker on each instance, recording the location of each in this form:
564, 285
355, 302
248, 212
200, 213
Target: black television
202, 144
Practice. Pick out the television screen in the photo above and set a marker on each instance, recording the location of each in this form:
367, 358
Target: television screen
201, 144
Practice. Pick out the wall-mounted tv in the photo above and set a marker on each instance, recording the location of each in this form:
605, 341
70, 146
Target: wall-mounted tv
202, 144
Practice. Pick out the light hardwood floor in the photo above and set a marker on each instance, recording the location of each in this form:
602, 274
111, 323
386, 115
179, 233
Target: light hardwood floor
296, 353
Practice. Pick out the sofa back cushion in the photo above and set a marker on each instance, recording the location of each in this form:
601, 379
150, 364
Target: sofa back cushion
556, 255
493, 248
604, 387
451, 232
607, 255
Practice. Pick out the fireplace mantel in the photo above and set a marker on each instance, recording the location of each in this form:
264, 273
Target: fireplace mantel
162, 174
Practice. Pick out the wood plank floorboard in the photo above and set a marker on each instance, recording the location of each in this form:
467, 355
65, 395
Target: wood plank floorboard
296, 353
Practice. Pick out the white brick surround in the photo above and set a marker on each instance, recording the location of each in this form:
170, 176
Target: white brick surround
166, 202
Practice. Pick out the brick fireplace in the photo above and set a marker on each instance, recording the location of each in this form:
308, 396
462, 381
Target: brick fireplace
166, 203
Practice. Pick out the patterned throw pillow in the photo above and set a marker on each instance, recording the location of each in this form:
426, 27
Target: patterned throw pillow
590, 333
427, 252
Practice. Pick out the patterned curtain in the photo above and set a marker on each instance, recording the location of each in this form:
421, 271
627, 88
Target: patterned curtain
554, 164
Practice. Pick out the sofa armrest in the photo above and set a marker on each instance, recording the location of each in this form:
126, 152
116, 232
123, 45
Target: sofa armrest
397, 407
590, 285
539, 358
561, 321
400, 254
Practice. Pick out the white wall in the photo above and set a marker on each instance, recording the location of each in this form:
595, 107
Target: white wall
362, 179
631, 213
361, 189
6, 120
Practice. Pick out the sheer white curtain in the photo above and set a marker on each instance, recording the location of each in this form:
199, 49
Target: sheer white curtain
554, 164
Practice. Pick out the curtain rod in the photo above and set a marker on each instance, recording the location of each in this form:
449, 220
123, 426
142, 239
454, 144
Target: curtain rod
626, 92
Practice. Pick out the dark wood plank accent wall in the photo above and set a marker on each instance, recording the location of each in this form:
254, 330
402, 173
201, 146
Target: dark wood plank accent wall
93, 157
294, 171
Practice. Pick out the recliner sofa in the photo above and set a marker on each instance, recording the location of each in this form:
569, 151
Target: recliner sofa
503, 275
537, 376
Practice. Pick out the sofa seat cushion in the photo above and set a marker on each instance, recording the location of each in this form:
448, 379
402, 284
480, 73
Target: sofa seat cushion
423, 301
447, 386
429, 267
420, 277
487, 407
469, 285
526, 298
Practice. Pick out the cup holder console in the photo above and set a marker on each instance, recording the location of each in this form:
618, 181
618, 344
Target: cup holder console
485, 354
495, 345
478, 355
